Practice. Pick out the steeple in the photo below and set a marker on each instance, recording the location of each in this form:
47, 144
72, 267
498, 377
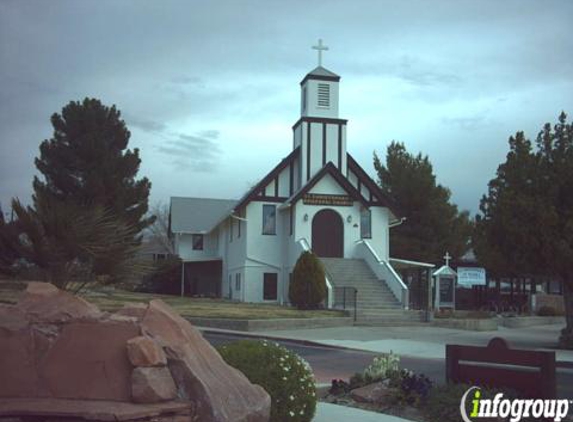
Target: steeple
320, 133
319, 90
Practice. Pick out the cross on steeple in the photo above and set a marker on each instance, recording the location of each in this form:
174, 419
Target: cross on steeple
320, 48
447, 257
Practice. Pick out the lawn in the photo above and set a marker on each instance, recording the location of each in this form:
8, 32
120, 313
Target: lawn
109, 299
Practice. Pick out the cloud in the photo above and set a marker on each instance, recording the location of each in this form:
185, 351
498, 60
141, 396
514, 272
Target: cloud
467, 122
198, 152
187, 80
144, 124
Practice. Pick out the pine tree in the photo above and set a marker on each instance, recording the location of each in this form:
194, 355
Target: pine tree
87, 163
526, 221
433, 224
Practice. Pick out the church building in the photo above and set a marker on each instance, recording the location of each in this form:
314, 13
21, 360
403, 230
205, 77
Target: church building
317, 198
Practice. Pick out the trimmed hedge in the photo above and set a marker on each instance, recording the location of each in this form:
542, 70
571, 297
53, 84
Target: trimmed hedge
307, 289
283, 374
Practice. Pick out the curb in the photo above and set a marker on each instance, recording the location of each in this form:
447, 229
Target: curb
279, 338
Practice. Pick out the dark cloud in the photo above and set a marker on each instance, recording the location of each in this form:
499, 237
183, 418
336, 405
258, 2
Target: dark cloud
177, 68
146, 125
199, 152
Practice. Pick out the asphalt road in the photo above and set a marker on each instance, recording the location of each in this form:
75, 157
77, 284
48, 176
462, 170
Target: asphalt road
329, 363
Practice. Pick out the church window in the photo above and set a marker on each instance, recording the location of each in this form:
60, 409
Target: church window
270, 286
291, 217
238, 282
269, 219
323, 95
304, 99
197, 242
365, 224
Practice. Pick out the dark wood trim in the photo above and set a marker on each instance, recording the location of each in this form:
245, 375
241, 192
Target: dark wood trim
255, 192
273, 199
370, 195
362, 176
290, 179
340, 146
319, 120
323, 144
320, 78
308, 128
331, 169
277, 185
359, 185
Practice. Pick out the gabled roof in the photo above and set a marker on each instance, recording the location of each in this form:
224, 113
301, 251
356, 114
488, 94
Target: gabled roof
384, 199
322, 74
331, 169
198, 215
255, 190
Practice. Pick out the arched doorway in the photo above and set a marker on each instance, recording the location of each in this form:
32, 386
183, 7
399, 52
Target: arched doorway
328, 234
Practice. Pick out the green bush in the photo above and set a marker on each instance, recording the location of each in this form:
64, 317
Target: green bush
283, 374
307, 289
443, 402
164, 279
411, 388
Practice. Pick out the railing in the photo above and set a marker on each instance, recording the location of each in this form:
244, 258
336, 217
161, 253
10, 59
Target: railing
305, 246
346, 297
384, 271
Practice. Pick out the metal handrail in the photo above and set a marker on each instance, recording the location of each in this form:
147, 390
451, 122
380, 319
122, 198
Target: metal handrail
354, 299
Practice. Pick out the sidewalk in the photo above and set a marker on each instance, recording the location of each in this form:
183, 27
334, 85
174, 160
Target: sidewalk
425, 342
327, 412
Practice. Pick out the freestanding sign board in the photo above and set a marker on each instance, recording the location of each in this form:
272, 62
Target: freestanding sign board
471, 276
445, 282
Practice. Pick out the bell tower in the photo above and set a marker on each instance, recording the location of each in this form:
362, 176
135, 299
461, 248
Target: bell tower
319, 132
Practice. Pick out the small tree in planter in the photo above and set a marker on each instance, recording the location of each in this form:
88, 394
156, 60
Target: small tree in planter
307, 289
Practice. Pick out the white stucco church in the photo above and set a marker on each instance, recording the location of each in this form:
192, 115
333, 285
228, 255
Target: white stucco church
317, 198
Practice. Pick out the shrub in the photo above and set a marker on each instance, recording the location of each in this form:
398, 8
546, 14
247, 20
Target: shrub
443, 402
283, 374
547, 311
307, 289
412, 389
382, 367
339, 387
164, 279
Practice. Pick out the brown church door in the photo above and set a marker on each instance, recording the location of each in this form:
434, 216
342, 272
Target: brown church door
328, 234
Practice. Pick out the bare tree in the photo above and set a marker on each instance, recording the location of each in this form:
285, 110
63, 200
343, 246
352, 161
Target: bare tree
158, 232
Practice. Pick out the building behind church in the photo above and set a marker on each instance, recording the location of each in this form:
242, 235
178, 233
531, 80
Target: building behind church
317, 198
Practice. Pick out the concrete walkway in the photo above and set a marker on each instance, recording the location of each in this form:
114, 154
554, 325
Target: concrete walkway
327, 412
426, 342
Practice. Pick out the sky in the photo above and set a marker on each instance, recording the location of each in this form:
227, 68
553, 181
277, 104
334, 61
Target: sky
210, 89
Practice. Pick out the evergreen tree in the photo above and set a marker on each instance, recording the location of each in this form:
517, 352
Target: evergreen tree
526, 221
433, 224
86, 163
307, 289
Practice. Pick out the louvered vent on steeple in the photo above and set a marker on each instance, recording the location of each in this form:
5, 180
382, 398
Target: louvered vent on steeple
323, 95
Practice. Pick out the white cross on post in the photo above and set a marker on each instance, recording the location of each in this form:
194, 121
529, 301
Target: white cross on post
320, 48
447, 257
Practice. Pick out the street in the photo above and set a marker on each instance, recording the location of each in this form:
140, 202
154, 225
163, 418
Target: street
328, 363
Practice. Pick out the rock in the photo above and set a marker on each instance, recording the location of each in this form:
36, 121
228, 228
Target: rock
17, 358
43, 302
136, 310
89, 360
371, 393
221, 393
55, 347
143, 351
152, 385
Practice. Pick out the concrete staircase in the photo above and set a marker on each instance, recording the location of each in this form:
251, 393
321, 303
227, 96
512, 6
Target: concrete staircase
376, 303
